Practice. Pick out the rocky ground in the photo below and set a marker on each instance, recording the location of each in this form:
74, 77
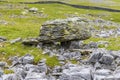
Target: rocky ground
68, 40
64, 39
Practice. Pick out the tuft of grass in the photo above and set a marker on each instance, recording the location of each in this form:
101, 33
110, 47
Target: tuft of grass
52, 61
7, 71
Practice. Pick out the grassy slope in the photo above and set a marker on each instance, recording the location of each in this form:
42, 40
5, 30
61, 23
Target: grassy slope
29, 26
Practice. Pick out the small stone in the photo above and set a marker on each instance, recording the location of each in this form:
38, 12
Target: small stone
91, 45
76, 45
2, 39
3, 64
61, 58
27, 59
1, 72
30, 42
33, 9
15, 40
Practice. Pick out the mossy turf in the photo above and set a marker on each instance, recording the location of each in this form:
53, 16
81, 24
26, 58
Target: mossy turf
28, 25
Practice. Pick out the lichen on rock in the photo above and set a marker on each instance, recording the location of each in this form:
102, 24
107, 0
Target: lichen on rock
62, 30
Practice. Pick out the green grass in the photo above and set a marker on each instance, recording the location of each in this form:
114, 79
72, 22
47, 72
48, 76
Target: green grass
29, 26
113, 42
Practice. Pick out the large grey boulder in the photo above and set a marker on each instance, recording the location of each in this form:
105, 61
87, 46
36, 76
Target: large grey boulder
62, 30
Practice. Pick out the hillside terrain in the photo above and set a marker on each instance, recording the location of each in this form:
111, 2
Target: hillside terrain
22, 21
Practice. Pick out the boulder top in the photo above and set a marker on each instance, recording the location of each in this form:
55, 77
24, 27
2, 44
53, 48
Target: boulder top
62, 30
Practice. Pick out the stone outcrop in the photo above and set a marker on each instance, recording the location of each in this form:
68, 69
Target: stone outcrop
62, 30
101, 64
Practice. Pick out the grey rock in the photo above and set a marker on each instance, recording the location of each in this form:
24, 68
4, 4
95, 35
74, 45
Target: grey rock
1, 72
15, 61
97, 65
96, 55
48, 52
30, 42
61, 58
113, 77
57, 69
15, 40
111, 66
101, 74
2, 39
91, 45
106, 59
4, 22
115, 54
116, 76
27, 59
103, 34
3, 64
11, 77
77, 73
117, 70
1, 78
21, 73
117, 61
62, 62
63, 30
72, 55
35, 76
31, 68
76, 45
42, 66
104, 43
33, 9
42, 61
50, 77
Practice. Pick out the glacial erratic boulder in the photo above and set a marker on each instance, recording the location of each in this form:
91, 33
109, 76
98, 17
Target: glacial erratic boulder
62, 30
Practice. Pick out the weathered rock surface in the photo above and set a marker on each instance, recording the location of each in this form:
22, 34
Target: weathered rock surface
16, 40
2, 39
63, 30
30, 41
63, 38
101, 65
77, 73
